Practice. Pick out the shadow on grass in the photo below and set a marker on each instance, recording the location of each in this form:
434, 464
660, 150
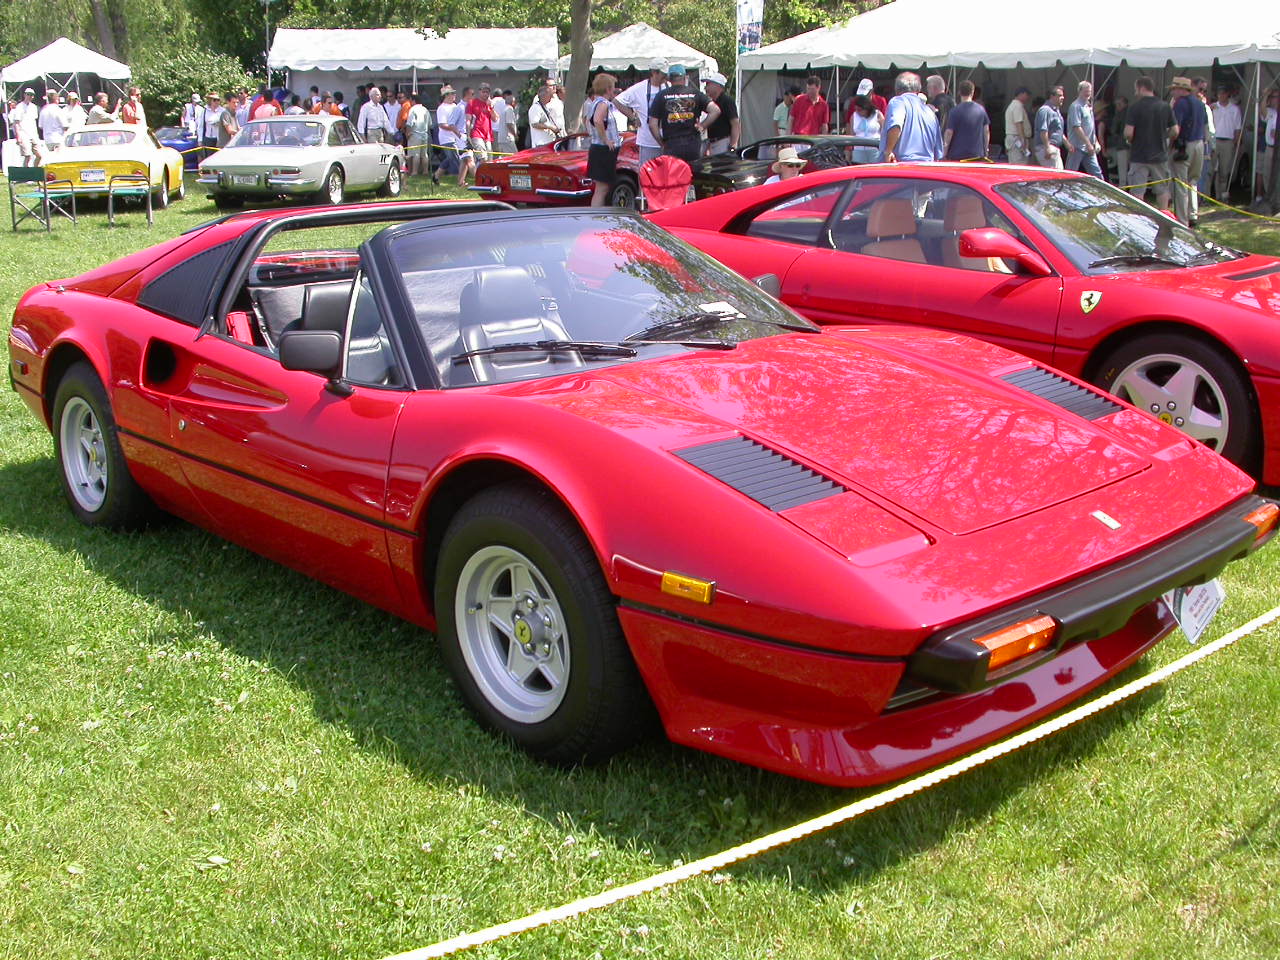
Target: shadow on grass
381, 679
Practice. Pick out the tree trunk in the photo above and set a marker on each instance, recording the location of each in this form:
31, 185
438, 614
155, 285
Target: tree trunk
106, 40
580, 48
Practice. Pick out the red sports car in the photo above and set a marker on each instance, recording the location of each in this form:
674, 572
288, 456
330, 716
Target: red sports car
556, 175
618, 479
1059, 266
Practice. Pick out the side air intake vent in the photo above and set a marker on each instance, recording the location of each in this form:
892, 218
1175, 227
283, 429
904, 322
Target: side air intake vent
1255, 274
1070, 396
766, 476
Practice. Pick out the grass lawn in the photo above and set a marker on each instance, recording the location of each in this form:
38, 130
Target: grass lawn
205, 755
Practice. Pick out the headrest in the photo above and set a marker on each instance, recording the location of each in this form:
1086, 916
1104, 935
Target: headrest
500, 293
891, 217
963, 212
324, 307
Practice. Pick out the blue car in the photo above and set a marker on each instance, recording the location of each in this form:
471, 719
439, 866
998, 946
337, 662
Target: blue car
182, 141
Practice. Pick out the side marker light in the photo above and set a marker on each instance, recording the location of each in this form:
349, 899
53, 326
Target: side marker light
1264, 518
690, 588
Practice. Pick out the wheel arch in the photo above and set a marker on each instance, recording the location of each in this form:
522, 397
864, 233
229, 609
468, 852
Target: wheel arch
1170, 326
61, 358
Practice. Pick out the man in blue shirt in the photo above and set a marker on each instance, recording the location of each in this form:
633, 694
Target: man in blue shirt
1080, 132
1049, 139
910, 132
968, 128
1188, 151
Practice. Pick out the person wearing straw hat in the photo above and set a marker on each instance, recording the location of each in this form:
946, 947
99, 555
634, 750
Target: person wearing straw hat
1188, 150
789, 164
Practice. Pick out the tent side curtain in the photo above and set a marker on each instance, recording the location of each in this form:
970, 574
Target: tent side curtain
1001, 34
407, 49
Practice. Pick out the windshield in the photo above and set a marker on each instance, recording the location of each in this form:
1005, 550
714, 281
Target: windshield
1104, 230
279, 133
98, 138
485, 293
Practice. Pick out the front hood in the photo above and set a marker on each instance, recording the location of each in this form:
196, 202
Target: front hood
1252, 283
951, 446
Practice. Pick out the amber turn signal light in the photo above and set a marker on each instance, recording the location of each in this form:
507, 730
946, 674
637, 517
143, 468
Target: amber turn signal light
1264, 518
1017, 640
691, 588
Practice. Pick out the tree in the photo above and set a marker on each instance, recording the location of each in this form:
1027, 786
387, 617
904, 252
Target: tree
579, 61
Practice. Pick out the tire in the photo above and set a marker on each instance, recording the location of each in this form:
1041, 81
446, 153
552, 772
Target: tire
224, 202
161, 197
182, 186
1189, 384
623, 194
394, 182
515, 571
334, 190
95, 475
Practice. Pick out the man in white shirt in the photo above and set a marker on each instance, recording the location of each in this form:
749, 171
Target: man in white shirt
1267, 117
24, 121
546, 117
634, 102
504, 131
73, 115
193, 116
373, 123
1227, 125
451, 132
51, 126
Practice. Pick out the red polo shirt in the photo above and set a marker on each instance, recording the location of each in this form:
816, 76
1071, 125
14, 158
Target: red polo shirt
809, 116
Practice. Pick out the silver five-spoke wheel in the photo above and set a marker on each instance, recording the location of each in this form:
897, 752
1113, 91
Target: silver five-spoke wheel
512, 634
84, 457
1180, 392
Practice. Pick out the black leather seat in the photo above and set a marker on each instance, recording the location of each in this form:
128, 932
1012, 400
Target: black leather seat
502, 305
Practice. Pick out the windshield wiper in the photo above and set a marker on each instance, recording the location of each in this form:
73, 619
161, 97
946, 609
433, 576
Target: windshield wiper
1135, 258
696, 344
705, 318
587, 348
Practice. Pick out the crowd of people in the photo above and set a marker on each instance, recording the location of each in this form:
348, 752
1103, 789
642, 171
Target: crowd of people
1176, 146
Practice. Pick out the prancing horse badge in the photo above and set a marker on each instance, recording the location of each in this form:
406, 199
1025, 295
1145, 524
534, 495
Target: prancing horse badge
1090, 299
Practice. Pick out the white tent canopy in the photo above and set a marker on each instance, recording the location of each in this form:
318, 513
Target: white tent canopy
409, 49
635, 46
60, 61
1006, 33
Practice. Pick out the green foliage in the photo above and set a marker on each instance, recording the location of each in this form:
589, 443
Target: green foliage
168, 80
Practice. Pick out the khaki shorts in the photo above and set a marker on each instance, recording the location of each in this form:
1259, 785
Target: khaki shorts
480, 148
1143, 173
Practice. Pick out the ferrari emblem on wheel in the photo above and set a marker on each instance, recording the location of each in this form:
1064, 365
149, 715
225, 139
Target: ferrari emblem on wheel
1090, 299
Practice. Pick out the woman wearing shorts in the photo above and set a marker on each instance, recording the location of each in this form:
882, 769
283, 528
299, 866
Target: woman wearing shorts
602, 156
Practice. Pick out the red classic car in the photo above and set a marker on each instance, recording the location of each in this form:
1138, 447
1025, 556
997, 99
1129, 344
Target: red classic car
556, 175
1059, 266
619, 480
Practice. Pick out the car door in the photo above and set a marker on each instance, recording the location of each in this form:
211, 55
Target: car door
369, 160
289, 464
889, 253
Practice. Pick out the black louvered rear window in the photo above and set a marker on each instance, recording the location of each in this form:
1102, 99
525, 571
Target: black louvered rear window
1070, 396
766, 476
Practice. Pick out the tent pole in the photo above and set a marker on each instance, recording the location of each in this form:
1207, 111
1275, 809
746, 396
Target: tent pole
836, 99
415, 78
1259, 128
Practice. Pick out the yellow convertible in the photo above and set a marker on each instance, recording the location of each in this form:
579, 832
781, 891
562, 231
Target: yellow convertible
113, 157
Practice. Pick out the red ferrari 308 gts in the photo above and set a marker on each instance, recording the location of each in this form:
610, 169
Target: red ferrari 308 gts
556, 175
1060, 266
618, 479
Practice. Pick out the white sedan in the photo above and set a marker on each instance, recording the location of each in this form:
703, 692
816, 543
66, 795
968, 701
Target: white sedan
317, 156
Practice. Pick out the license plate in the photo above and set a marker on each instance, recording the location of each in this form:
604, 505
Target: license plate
246, 179
1194, 607
521, 181
93, 176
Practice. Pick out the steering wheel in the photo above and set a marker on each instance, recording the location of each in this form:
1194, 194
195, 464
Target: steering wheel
289, 140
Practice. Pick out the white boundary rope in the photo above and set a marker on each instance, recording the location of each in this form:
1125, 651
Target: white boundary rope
841, 815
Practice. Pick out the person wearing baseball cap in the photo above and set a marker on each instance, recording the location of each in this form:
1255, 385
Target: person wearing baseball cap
24, 121
674, 116
789, 164
73, 115
725, 131
634, 104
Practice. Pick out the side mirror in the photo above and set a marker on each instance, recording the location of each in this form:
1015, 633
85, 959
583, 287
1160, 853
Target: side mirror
994, 242
315, 351
769, 283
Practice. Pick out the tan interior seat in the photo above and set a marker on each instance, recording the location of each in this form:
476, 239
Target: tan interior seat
964, 212
892, 223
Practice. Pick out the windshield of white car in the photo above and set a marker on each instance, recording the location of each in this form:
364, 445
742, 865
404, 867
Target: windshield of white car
603, 279
1101, 229
98, 138
279, 133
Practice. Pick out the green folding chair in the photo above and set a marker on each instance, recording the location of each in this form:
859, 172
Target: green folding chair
38, 197
129, 185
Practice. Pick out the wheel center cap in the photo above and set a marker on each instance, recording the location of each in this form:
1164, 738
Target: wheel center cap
524, 632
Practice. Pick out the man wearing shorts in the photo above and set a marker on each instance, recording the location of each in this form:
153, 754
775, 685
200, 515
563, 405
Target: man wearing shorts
1149, 126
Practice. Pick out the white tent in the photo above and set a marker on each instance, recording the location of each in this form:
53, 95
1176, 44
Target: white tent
636, 45
59, 65
341, 59
1008, 35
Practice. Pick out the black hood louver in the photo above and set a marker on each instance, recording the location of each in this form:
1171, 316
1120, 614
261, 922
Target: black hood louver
1070, 396
1255, 274
770, 478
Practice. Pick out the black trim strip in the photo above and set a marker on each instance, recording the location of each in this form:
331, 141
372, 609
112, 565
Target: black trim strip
19, 385
767, 476
1255, 274
381, 524
759, 637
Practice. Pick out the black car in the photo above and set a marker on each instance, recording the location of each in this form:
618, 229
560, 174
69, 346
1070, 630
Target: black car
750, 166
